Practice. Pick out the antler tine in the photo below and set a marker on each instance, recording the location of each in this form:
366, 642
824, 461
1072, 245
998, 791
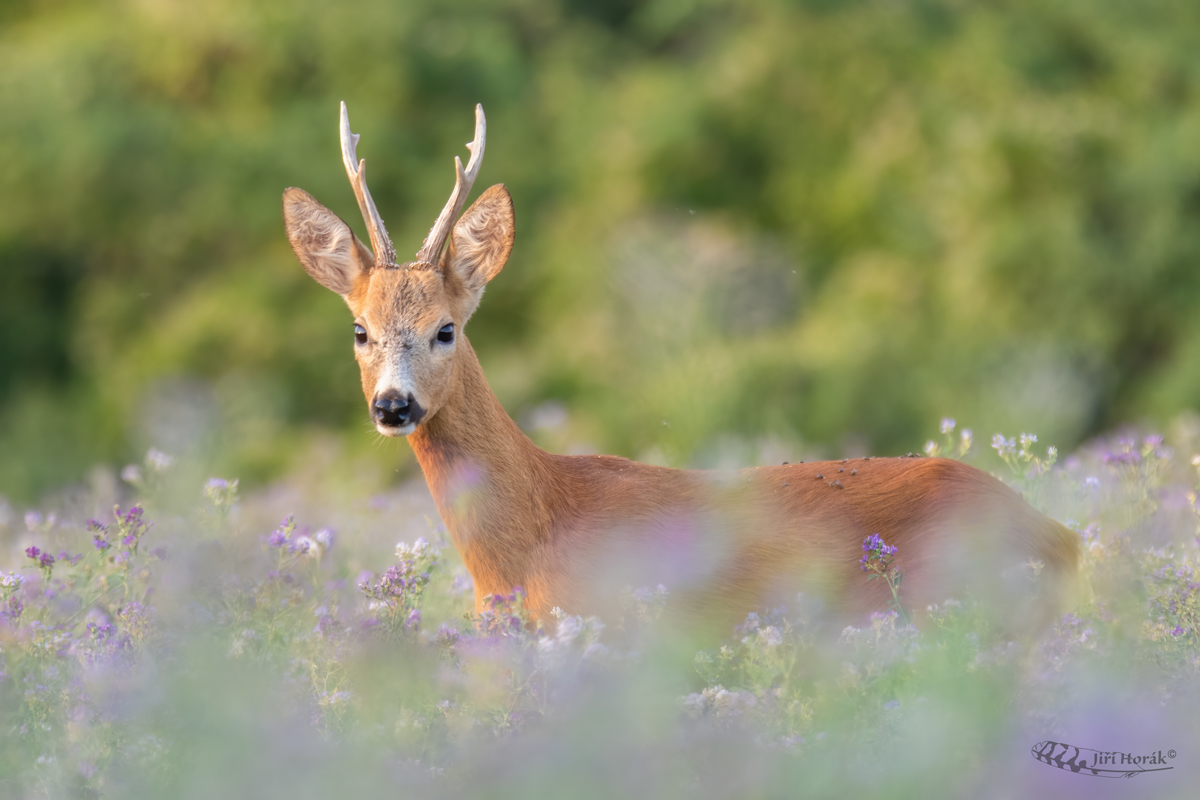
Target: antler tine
385, 254
431, 248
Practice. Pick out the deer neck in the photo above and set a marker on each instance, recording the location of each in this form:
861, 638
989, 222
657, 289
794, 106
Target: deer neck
486, 477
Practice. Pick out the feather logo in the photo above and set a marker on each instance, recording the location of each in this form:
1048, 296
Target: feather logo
1100, 763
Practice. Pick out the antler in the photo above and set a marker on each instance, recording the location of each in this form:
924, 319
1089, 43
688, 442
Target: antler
431, 248
385, 254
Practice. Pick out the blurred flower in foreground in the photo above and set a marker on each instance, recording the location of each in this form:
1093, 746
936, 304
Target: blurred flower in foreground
221, 492
158, 460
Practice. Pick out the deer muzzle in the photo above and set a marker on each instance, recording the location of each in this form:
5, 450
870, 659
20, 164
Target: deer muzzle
396, 414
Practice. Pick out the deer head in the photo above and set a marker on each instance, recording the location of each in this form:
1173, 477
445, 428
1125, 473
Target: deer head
407, 317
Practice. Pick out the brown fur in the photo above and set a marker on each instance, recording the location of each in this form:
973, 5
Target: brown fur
574, 530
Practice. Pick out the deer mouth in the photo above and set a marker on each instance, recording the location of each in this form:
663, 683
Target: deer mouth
396, 430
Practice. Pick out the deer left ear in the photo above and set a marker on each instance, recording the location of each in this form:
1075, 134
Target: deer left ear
480, 244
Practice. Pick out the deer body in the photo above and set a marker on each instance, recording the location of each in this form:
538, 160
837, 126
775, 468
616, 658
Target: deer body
574, 530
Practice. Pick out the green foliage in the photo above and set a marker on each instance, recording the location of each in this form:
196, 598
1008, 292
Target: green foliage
819, 222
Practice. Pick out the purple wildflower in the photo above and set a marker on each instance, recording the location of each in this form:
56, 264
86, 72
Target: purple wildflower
770, 636
1005, 447
135, 618
447, 636
751, 623
874, 547
461, 584
281, 535
159, 460
14, 609
101, 633
221, 492
877, 561
131, 527
33, 552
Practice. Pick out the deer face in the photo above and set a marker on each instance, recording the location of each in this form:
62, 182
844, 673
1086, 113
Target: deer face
404, 341
407, 318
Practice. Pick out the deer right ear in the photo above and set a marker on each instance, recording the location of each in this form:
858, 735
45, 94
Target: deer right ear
480, 244
325, 245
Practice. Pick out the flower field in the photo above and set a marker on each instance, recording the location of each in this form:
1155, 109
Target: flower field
190, 643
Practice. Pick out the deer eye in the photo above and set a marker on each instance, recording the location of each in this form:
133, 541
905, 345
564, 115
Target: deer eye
446, 334
360, 334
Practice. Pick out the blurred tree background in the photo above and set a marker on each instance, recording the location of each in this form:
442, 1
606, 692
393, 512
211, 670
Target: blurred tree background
823, 222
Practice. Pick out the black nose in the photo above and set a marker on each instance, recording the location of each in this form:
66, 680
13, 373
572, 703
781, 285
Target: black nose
393, 409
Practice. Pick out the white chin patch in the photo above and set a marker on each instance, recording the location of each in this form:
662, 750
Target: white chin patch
401, 430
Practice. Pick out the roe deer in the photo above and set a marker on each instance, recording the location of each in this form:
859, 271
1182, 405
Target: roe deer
574, 530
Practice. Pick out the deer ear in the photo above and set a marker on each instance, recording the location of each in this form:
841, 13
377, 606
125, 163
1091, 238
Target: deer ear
480, 244
325, 245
